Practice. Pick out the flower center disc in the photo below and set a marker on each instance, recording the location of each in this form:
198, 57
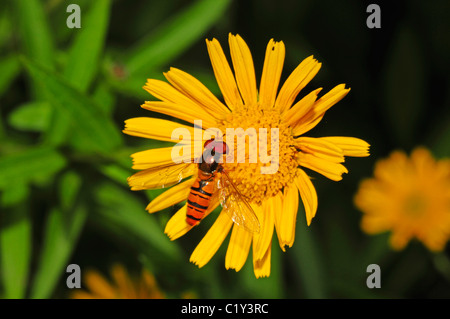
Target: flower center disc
415, 205
269, 162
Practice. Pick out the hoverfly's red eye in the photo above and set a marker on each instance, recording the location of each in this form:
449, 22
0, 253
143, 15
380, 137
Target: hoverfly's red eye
208, 142
221, 148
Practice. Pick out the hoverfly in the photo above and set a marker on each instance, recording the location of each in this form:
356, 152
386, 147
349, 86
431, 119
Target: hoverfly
212, 182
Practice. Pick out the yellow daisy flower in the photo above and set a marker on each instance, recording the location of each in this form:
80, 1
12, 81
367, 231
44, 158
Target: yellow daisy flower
273, 197
122, 286
409, 197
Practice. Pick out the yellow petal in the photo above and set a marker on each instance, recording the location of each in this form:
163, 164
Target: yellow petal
395, 169
261, 267
298, 79
163, 156
399, 240
243, 69
295, 113
177, 225
315, 115
273, 65
99, 286
351, 146
148, 288
238, 248
327, 168
375, 224
175, 103
224, 75
308, 194
287, 217
161, 130
77, 294
267, 220
172, 196
181, 112
320, 148
124, 284
209, 245
196, 92
422, 161
160, 177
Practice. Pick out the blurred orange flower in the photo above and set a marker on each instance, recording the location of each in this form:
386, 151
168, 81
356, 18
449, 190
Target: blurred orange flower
409, 197
122, 286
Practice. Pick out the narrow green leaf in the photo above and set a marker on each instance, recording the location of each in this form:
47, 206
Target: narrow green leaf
174, 36
270, 287
15, 252
31, 165
61, 234
97, 129
124, 214
5, 26
9, 70
33, 116
58, 126
307, 257
84, 54
105, 98
34, 31
62, 229
81, 68
69, 188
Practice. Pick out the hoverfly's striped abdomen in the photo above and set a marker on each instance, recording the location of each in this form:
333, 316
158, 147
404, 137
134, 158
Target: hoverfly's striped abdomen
198, 200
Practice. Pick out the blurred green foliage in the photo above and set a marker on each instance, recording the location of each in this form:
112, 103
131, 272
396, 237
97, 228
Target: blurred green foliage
64, 94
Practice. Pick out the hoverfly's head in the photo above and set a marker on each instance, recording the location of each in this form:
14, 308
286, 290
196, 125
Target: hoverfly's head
214, 147
212, 155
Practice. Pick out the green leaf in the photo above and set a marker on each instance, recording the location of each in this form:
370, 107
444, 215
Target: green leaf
30, 165
307, 257
5, 26
123, 214
33, 116
405, 80
14, 194
105, 98
82, 67
15, 252
85, 51
97, 129
9, 70
69, 188
60, 236
270, 287
174, 37
34, 31
61, 233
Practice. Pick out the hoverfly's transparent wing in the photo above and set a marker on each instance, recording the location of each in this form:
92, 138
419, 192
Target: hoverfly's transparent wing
235, 205
161, 176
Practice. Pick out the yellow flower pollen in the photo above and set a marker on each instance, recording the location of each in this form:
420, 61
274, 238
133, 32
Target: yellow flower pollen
247, 177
